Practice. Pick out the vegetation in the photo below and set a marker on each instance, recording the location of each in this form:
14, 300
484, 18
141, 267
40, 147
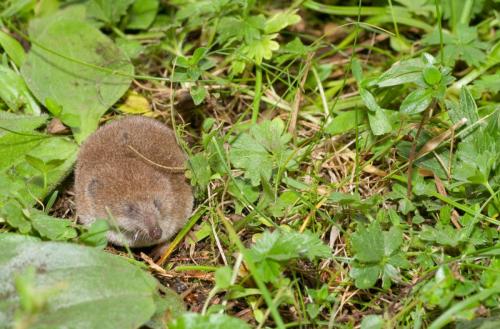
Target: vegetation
345, 157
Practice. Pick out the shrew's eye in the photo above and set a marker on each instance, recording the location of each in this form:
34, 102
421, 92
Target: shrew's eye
157, 204
131, 208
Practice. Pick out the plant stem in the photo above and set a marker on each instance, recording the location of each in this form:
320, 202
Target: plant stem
258, 94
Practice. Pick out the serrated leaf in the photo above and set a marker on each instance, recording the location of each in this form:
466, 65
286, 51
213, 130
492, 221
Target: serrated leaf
262, 48
83, 91
261, 150
57, 153
12, 213
285, 245
417, 101
200, 172
393, 239
90, 288
247, 29
368, 243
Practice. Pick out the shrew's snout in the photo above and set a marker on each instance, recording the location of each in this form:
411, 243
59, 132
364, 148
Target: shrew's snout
155, 232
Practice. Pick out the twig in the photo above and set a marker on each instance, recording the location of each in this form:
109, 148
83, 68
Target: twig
172, 169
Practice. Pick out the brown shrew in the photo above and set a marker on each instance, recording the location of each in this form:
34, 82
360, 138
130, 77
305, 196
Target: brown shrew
130, 173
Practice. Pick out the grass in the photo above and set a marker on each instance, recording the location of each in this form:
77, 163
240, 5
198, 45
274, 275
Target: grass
337, 183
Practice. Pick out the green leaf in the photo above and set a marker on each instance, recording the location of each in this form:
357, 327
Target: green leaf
432, 75
260, 49
200, 172
344, 122
13, 48
262, 150
365, 277
247, 29
372, 322
392, 241
57, 153
84, 91
212, 321
15, 93
379, 122
88, 287
96, 234
488, 83
108, 11
369, 100
13, 215
142, 14
18, 122
198, 94
281, 20
407, 71
417, 101
368, 243
223, 277
56, 229
36, 163
285, 245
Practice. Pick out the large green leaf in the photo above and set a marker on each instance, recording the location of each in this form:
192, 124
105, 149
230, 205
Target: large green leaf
74, 65
77, 287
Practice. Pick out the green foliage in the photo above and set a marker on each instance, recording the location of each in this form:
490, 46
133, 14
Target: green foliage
40, 278
462, 44
76, 46
377, 255
278, 247
356, 118
262, 150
